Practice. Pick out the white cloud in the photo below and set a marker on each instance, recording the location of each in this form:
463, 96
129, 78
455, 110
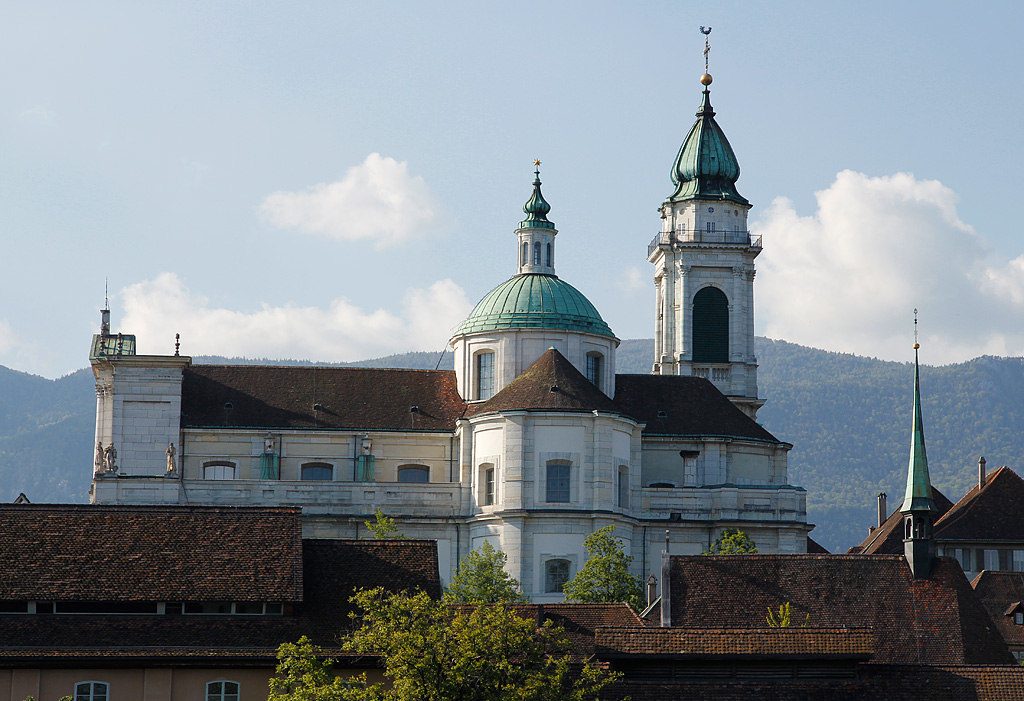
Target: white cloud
38, 114
633, 279
157, 309
375, 200
849, 277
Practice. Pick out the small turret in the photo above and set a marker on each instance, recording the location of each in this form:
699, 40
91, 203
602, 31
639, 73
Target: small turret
918, 507
536, 234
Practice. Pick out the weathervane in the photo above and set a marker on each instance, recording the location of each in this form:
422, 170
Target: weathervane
707, 45
916, 344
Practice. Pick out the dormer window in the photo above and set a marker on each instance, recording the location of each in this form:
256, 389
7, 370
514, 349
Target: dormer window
594, 368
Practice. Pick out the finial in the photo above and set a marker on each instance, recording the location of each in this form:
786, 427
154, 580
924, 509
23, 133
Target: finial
916, 344
177, 342
106, 293
705, 79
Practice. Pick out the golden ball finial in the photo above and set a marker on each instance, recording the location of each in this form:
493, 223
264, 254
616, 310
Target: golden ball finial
916, 346
705, 79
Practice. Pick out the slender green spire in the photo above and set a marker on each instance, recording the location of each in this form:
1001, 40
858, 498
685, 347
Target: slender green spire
536, 207
919, 486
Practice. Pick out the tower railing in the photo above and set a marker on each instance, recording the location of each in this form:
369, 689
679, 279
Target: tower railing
684, 235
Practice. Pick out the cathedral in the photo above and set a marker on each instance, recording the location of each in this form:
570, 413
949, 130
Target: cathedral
532, 443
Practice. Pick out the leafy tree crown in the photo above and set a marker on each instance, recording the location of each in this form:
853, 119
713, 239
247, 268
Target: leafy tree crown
482, 579
606, 575
733, 541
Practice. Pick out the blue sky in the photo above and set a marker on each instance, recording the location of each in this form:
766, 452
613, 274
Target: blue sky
342, 180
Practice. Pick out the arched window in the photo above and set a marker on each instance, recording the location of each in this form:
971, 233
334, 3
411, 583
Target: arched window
484, 375
317, 472
413, 473
92, 691
218, 470
222, 691
558, 485
710, 326
556, 574
594, 368
526, 253
536, 252
549, 255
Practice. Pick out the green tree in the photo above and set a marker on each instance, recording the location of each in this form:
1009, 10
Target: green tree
605, 576
431, 651
303, 674
384, 528
784, 618
733, 541
482, 579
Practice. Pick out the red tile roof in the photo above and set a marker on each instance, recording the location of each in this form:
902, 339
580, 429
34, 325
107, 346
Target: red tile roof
551, 383
703, 642
997, 592
992, 513
333, 570
924, 621
945, 683
256, 396
150, 553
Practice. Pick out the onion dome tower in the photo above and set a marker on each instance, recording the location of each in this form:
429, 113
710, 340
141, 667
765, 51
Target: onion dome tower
532, 311
918, 508
704, 265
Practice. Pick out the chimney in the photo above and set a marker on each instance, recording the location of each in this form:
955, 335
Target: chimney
883, 512
981, 472
666, 590
652, 589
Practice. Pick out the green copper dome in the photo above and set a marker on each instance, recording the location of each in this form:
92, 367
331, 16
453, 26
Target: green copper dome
706, 167
535, 301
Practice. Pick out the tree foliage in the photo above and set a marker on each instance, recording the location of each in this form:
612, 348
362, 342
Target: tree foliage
784, 618
733, 541
482, 579
384, 527
431, 651
605, 576
303, 674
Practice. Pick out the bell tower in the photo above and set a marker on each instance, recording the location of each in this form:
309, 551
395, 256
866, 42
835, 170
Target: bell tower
918, 508
704, 265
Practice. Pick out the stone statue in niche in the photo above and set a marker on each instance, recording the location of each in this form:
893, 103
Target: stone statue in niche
110, 456
99, 461
170, 458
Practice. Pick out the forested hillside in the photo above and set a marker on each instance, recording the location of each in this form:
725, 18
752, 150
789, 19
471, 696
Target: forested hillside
847, 416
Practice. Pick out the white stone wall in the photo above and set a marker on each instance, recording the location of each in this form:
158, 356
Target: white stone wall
138, 407
516, 350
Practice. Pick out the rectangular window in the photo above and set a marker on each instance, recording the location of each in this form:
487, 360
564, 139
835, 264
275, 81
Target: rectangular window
489, 486
992, 560
963, 556
558, 482
1018, 560
484, 375
594, 369
365, 468
270, 469
556, 574
623, 487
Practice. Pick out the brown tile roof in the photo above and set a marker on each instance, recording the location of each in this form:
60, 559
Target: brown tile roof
150, 553
333, 570
888, 539
924, 621
551, 383
997, 592
704, 642
992, 513
351, 398
945, 683
690, 406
